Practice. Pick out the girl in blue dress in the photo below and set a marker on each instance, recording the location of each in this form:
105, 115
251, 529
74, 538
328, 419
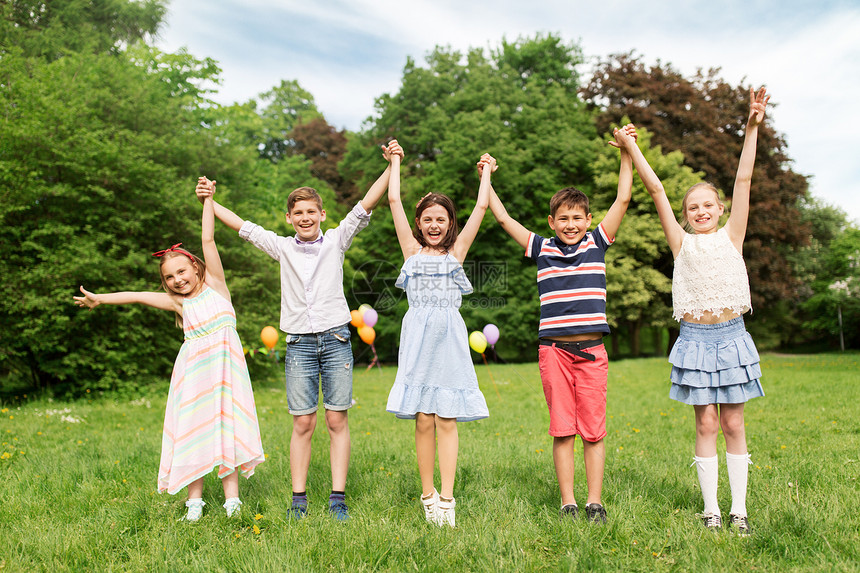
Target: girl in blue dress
436, 383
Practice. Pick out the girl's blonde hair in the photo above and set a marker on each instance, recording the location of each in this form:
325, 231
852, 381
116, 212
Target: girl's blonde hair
682, 219
172, 253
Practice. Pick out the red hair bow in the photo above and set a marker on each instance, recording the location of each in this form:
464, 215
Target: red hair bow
174, 248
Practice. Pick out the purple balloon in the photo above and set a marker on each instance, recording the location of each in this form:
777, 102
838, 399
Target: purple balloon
491, 332
370, 317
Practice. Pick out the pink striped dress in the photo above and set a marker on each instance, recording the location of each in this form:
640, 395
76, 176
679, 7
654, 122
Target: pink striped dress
211, 419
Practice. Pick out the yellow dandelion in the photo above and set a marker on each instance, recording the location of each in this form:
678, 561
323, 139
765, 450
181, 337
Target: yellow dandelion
636, 430
38, 433
256, 529
258, 517
782, 447
80, 442
4, 410
115, 462
367, 433
237, 535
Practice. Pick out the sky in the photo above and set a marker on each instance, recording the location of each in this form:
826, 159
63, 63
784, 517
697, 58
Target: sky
347, 53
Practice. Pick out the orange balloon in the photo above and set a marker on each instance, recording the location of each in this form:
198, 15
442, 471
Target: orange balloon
356, 319
367, 334
269, 336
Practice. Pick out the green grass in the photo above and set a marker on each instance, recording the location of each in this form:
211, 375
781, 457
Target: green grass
78, 494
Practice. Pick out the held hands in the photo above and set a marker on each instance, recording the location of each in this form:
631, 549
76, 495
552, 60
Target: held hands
758, 103
624, 136
205, 188
89, 300
392, 149
487, 160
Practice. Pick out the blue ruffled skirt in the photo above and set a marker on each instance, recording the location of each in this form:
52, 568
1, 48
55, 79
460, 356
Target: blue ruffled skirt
715, 364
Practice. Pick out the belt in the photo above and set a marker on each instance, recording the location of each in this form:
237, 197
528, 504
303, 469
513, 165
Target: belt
575, 348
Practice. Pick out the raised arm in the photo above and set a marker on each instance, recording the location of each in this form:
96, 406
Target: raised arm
511, 226
206, 188
736, 226
612, 220
160, 300
408, 244
470, 230
673, 231
374, 194
214, 270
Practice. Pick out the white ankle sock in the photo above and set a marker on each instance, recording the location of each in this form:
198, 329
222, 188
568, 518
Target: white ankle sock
738, 467
707, 470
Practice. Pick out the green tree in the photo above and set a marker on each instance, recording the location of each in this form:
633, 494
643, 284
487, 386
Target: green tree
99, 150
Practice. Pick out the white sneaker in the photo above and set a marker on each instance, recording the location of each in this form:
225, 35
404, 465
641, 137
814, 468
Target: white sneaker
431, 505
233, 506
195, 509
445, 511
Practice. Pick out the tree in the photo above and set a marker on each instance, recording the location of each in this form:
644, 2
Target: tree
283, 108
325, 147
99, 150
704, 117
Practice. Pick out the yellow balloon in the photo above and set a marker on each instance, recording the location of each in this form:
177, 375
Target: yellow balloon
478, 342
269, 336
363, 308
367, 334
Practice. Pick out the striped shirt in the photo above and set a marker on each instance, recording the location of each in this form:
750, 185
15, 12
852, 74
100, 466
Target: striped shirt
571, 282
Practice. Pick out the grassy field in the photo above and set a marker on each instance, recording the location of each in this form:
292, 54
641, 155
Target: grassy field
77, 485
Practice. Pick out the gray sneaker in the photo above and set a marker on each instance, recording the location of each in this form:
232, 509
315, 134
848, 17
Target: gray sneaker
569, 511
595, 513
712, 521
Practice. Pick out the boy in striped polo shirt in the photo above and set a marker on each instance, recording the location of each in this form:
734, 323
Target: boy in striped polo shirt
573, 363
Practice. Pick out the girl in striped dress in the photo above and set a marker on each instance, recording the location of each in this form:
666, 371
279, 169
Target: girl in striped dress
211, 419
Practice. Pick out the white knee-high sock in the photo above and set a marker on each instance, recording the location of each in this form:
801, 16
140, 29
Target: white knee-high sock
707, 470
738, 467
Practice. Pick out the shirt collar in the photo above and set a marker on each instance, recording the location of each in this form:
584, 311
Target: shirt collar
317, 240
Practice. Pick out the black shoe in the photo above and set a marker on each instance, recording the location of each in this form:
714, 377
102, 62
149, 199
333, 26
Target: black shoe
595, 513
740, 523
569, 511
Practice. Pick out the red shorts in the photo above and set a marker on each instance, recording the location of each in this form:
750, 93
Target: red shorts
575, 391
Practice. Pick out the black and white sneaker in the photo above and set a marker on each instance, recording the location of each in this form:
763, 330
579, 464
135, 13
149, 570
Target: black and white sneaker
712, 521
740, 523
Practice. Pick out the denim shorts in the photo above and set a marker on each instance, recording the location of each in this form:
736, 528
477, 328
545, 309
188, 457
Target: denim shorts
319, 356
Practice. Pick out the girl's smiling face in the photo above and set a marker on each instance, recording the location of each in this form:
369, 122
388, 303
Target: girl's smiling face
703, 209
433, 224
180, 275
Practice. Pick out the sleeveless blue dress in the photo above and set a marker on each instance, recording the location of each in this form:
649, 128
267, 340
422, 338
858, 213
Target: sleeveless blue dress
435, 374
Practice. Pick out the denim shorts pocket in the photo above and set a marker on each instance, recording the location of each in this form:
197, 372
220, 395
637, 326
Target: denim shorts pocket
342, 334
293, 338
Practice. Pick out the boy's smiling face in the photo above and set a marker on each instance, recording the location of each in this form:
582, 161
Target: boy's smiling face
570, 224
305, 217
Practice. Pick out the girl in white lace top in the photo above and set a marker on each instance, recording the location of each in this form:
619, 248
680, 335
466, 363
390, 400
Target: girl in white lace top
715, 365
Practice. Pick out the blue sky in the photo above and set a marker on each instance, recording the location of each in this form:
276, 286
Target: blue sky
348, 53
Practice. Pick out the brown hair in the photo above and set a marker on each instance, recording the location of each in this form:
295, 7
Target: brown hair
303, 194
682, 220
172, 254
569, 197
445, 202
